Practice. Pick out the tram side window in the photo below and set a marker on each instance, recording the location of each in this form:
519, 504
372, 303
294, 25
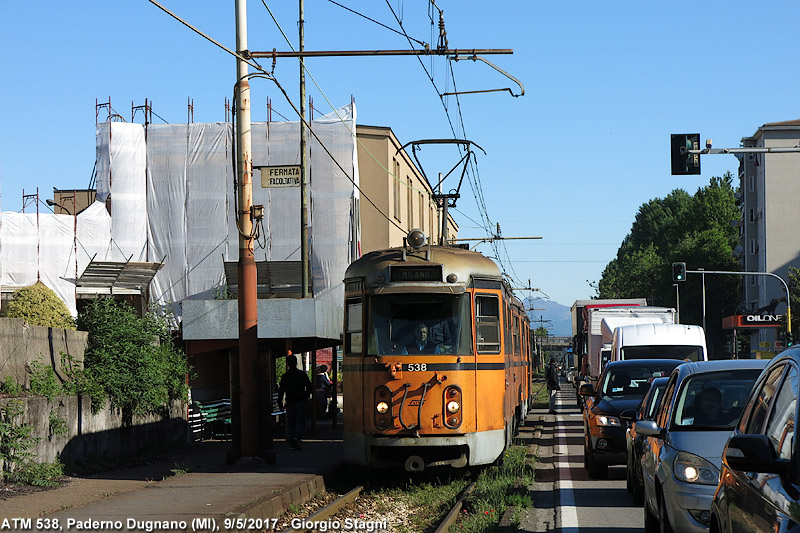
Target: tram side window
354, 324
487, 323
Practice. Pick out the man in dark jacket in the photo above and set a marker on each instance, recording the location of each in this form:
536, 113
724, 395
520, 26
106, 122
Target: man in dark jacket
551, 376
296, 386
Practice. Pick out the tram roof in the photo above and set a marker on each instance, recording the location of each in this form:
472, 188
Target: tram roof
464, 263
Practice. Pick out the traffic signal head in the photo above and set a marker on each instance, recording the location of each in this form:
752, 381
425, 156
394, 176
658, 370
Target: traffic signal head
679, 271
789, 338
683, 162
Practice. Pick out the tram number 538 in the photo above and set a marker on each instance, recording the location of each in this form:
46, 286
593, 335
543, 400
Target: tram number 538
417, 367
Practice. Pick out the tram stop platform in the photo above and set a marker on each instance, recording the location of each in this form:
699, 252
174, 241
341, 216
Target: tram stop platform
189, 485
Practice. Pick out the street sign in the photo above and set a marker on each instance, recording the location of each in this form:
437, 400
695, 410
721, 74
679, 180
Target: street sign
280, 176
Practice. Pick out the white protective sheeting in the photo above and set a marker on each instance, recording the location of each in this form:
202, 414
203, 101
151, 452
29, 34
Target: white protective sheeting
191, 203
121, 175
43, 247
171, 195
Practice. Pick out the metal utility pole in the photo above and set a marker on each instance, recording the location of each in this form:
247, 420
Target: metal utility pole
247, 389
303, 165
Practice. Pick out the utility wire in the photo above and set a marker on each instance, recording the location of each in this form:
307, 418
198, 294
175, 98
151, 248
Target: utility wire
358, 141
424, 44
249, 61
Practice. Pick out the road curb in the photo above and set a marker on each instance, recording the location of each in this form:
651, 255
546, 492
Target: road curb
542, 516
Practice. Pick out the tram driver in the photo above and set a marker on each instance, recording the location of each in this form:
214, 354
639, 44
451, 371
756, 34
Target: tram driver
421, 343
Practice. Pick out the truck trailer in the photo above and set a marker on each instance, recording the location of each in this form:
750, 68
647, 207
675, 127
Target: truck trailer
580, 333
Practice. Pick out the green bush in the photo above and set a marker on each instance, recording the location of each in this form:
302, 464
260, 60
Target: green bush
133, 359
39, 306
15, 440
44, 381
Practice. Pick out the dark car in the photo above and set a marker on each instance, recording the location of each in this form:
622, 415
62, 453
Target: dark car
621, 387
759, 486
635, 442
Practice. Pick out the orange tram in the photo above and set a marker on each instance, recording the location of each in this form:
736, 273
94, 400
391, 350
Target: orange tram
437, 360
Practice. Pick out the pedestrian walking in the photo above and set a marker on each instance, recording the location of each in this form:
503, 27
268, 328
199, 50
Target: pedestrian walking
324, 389
551, 376
297, 389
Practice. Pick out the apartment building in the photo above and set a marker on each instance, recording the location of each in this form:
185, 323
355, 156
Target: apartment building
769, 194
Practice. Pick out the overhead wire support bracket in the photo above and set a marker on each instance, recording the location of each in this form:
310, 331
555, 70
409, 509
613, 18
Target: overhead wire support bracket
474, 57
353, 53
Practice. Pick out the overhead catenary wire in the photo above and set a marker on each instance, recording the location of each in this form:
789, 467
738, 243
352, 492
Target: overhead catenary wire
358, 141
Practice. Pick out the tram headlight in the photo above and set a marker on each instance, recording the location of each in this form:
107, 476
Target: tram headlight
382, 407
453, 407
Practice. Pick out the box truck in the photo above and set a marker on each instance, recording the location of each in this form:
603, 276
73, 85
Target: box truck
602, 322
580, 333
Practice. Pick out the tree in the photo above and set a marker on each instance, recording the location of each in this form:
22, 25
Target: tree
694, 229
39, 306
134, 359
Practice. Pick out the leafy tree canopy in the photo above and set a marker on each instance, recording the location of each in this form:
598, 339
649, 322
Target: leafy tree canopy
694, 229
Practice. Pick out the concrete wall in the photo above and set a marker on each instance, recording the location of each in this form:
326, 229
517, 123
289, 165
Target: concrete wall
98, 435
22, 343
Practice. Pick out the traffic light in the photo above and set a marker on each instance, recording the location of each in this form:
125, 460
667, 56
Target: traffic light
679, 271
788, 338
683, 162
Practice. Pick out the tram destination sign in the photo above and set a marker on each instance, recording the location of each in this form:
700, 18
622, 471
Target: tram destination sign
280, 176
415, 273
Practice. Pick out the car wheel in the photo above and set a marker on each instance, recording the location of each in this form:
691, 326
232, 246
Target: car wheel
665, 526
650, 521
596, 470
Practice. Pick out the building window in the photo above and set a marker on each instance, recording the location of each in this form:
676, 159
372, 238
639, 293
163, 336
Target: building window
396, 188
421, 224
752, 281
410, 206
752, 215
752, 247
751, 183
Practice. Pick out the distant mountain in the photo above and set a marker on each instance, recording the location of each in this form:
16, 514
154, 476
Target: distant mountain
560, 321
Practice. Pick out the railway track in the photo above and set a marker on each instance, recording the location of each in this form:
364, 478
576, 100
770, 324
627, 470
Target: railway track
411, 505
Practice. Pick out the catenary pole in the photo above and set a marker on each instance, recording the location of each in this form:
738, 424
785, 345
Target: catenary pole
247, 390
304, 259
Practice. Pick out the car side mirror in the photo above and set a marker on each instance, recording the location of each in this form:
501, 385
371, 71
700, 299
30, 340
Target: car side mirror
587, 389
649, 428
753, 453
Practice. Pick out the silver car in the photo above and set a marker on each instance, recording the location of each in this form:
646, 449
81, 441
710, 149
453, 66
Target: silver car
681, 459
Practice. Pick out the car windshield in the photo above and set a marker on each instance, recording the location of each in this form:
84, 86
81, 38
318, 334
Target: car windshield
713, 401
420, 323
632, 380
692, 353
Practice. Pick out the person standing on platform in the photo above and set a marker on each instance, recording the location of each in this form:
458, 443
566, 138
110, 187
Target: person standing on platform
297, 389
551, 376
324, 388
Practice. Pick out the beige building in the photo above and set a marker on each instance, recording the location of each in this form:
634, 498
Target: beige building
770, 189
401, 195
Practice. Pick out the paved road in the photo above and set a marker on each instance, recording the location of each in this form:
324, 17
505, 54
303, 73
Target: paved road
581, 504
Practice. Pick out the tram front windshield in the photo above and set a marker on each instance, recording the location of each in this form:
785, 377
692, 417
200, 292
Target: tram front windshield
420, 324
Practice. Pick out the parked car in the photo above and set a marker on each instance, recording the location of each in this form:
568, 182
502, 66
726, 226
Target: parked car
634, 442
621, 387
758, 489
681, 461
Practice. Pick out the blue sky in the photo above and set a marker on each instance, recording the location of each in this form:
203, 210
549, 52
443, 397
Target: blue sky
571, 161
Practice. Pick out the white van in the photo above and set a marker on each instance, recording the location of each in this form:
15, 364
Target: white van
659, 341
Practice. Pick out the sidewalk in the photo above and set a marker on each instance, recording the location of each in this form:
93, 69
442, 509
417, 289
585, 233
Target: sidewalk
209, 489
